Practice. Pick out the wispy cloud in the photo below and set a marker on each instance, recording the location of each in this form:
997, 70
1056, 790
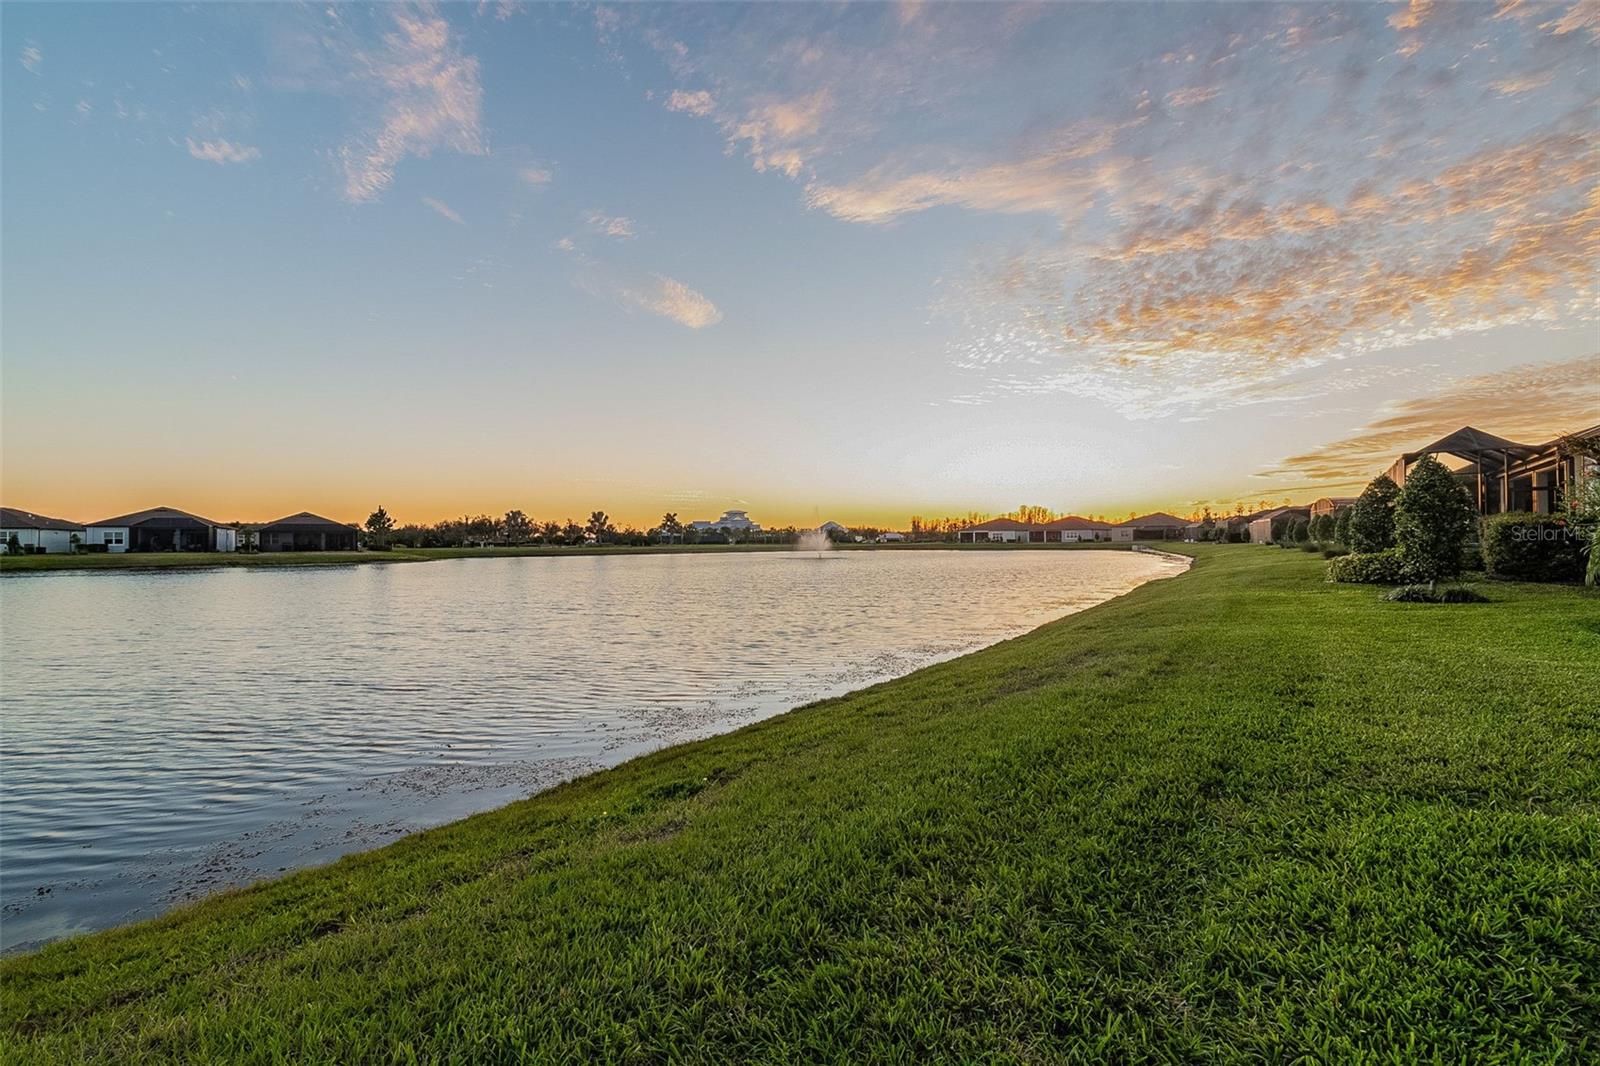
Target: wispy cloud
1527, 403
698, 102
427, 96
535, 175
672, 299
618, 226
443, 209
32, 58
222, 152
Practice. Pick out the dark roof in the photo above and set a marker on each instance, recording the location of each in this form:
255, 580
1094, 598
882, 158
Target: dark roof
12, 518
305, 520
1470, 443
995, 525
1337, 501
1276, 511
160, 518
1156, 519
1073, 521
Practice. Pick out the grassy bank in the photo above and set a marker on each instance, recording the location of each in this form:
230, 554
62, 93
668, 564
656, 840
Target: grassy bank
191, 560
1237, 814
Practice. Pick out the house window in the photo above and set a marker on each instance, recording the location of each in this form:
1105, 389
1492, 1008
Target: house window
114, 538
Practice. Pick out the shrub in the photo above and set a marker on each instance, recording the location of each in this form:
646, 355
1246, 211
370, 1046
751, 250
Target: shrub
1534, 547
1369, 568
1372, 516
1334, 553
1428, 594
1310, 546
1432, 518
1471, 558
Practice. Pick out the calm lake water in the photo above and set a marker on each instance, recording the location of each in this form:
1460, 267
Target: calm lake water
170, 734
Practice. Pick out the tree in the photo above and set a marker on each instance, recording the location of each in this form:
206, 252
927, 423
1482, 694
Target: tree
1322, 528
1433, 517
670, 526
13, 545
247, 540
515, 527
571, 533
1300, 530
379, 526
1341, 525
1372, 516
599, 527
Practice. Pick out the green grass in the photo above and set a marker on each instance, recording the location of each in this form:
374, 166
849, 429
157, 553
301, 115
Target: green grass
1238, 815
190, 560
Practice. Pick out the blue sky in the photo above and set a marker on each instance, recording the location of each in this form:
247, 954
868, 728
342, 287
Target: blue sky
850, 262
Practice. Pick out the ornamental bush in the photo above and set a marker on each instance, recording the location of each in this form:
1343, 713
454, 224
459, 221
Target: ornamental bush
1341, 525
1535, 547
1432, 520
1372, 516
1369, 568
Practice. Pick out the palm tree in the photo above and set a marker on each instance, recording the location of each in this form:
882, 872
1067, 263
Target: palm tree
670, 526
599, 526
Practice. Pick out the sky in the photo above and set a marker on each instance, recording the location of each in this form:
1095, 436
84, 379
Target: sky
818, 262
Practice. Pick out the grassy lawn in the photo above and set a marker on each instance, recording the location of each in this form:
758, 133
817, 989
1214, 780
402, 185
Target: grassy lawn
1239, 814
186, 560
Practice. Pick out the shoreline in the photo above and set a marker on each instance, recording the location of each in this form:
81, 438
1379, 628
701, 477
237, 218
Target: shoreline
158, 561
1188, 822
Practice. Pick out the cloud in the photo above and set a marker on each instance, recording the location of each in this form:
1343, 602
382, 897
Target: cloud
699, 103
535, 175
1188, 97
1530, 403
428, 97
617, 226
564, 244
32, 58
672, 299
222, 152
443, 209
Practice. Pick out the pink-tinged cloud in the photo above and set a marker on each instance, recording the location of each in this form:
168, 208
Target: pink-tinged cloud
672, 299
1530, 404
443, 209
429, 97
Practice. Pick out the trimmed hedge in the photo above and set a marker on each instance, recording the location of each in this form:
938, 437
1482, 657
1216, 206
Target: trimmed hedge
1369, 568
1535, 547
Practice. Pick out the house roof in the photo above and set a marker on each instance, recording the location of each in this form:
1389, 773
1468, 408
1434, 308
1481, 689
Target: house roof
1470, 443
995, 525
1156, 519
11, 518
1337, 501
160, 518
1073, 521
1276, 511
305, 520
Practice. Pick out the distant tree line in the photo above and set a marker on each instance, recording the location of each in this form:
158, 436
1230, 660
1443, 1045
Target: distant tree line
516, 528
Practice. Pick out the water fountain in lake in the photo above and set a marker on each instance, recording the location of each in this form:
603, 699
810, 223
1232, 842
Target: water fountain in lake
813, 540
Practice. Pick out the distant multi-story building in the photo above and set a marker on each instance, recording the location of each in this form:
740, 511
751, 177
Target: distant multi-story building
733, 521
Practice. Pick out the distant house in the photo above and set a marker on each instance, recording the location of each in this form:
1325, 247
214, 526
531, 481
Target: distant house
1331, 505
832, 529
1157, 525
35, 532
305, 532
995, 531
1261, 525
734, 521
891, 538
1058, 531
161, 529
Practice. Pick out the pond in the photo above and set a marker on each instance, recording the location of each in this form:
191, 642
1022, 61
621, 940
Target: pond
170, 734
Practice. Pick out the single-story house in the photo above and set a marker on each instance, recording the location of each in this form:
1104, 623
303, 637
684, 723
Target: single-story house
1155, 526
995, 530
891, 538
305, 532
1331, 505
1261, 525
36, 532
1059, 531
161, 529
1502, 475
